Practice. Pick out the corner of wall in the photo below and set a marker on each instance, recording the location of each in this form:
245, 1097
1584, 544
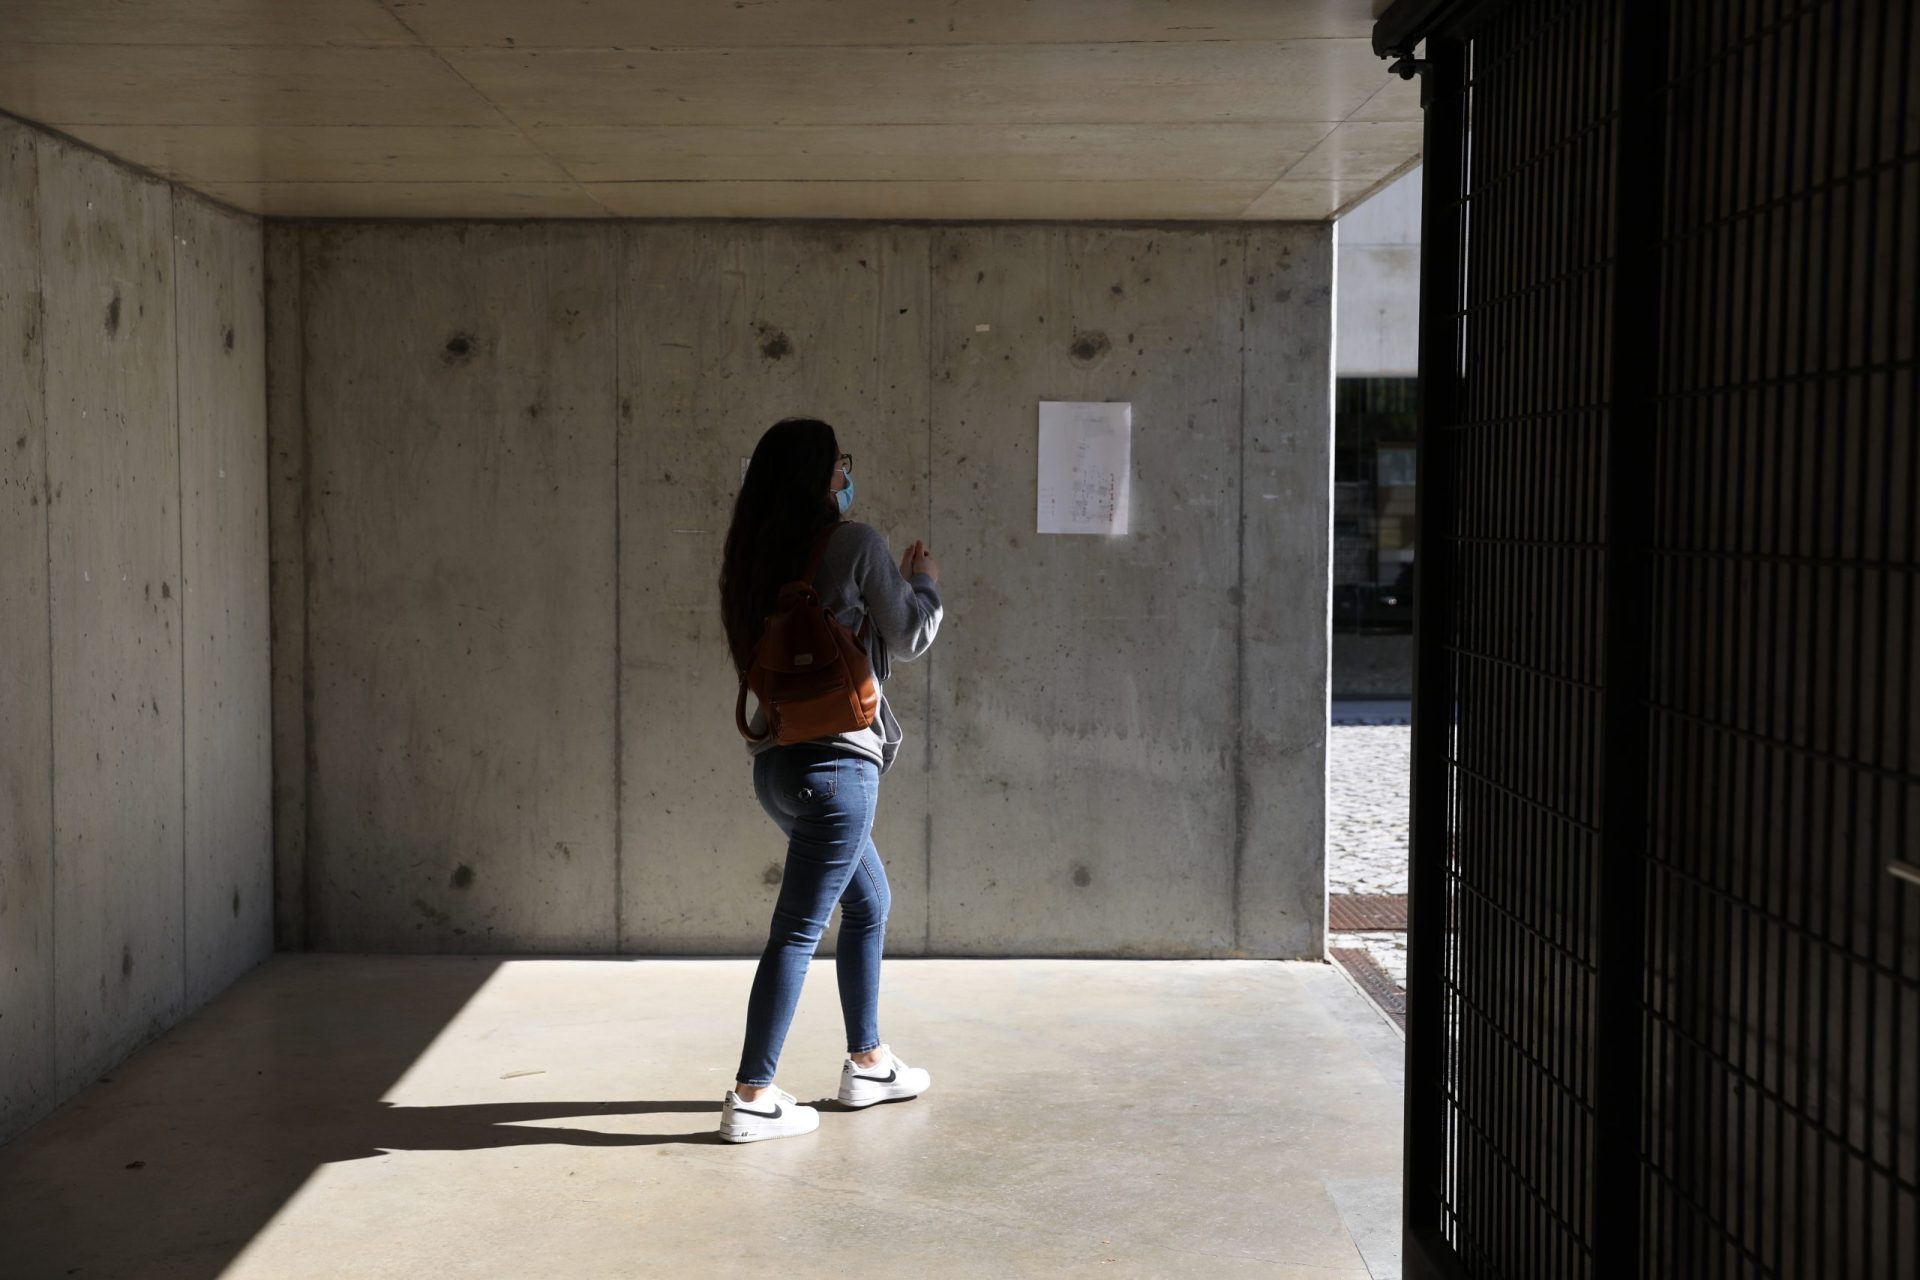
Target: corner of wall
1287, 446
132, 631
27, 974
286, 540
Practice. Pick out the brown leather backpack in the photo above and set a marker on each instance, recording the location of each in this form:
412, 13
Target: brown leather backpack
810, 674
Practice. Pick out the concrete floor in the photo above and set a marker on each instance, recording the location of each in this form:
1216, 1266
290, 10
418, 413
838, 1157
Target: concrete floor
375, 1116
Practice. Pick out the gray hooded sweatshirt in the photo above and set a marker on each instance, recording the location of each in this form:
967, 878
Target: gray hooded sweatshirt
859, 580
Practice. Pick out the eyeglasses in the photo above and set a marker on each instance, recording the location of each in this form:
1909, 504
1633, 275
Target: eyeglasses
844, 463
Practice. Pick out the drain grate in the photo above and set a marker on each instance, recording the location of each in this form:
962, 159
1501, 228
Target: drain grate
1373, 980
1367, 912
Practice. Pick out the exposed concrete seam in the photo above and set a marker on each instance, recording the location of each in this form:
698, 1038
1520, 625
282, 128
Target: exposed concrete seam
1302, 159
1170, 179
271, 502
1350, 116
933, 316
309, 871
619, 669
121, 162
1394, 175
843, 225
1330, 409
180, 527
840, 46
280, 283
1295, 164
46, 512
741, 182
1241, 796
434, 50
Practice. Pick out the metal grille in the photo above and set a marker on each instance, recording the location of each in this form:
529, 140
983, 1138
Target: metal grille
1783, 967
1527, 532
1666, 643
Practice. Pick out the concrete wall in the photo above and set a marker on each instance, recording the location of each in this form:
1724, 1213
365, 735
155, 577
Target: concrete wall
1379, 310
504, 460
134, 821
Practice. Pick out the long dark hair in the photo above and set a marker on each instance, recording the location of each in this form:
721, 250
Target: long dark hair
783, 505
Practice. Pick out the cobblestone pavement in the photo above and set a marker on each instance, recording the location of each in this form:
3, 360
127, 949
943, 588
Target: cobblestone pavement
1367, 807
1367, 825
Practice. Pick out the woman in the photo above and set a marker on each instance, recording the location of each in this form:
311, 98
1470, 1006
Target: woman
821, 794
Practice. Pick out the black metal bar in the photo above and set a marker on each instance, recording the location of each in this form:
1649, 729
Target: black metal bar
1904, 245
1406, 23
1433, 695
1639, 185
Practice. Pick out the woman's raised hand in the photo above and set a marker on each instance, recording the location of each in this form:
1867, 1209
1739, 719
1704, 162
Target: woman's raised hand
916, 560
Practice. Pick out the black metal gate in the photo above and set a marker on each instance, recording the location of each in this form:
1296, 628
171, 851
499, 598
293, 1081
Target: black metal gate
1664, 981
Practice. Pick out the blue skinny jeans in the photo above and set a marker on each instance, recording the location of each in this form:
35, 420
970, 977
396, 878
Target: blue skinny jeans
823, 801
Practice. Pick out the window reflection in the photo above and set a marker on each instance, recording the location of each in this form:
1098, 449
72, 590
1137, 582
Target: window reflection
1375, 429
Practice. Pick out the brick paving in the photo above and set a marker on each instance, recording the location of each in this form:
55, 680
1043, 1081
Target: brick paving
1366, 912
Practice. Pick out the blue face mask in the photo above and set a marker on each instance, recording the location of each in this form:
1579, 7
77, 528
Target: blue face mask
844, 496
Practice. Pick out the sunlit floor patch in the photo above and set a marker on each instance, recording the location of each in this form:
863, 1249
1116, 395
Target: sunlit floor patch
447, 1116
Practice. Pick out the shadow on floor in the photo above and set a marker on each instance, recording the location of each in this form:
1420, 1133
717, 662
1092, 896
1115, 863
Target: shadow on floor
483, 1125
262, 1139
75, 1194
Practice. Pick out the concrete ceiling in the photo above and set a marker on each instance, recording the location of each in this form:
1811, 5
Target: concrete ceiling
1080, 109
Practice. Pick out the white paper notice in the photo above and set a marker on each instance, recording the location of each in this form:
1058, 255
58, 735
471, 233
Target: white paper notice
1086, 461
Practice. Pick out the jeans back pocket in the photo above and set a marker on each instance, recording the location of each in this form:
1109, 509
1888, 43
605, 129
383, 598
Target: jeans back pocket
810, 779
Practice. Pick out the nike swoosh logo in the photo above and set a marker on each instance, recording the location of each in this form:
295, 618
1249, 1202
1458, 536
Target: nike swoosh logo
886, 1079
768, 1115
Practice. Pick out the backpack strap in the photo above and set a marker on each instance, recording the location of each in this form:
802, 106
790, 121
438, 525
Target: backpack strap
740, 717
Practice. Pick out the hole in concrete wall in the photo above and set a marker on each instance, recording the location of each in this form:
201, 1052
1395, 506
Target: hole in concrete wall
459, 348
227, 338
236, 902
1089, 346
126, 962
113, 315
773, 874
774, 343
1081, 875
462, 876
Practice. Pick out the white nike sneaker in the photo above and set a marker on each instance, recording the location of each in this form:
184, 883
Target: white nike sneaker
774, 1114
884, 1081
